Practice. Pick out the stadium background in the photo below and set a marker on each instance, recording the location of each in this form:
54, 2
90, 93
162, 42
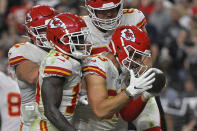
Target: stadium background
172, 27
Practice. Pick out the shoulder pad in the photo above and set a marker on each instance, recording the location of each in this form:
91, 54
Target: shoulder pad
95, 64
57, 63
15, 54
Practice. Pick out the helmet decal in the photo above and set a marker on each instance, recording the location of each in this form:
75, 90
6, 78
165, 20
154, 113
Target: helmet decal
28, 18
128, 34
56, 23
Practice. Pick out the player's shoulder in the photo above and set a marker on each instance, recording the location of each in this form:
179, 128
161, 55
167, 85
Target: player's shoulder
95, 64
132, 11
133, 17
96, 59
133, 14
58, 63
16, 48
20, 46
55, 57
17, 53
21, 49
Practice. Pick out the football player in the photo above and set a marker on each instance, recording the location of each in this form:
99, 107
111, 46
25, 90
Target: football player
60, 73
131, 47
25, 59
105, 79
10, 104
104, 17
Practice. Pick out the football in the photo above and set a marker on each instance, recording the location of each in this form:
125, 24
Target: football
159, 83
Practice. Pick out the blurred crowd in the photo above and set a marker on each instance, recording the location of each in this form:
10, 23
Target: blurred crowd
172, 28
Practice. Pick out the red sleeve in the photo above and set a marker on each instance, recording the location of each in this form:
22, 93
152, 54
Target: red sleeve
131, 111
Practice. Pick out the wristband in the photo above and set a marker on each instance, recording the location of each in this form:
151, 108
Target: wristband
127, 93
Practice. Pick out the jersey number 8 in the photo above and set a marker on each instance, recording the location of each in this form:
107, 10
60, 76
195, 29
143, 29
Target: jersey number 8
14, 103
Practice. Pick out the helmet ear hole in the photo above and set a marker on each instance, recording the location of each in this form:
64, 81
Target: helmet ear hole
119, 48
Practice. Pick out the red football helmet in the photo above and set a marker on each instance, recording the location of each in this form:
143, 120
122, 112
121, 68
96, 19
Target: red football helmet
36, 22
103, 5
68, 34
131, 47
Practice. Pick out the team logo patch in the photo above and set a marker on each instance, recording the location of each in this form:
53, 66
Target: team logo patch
28, 18
128, 35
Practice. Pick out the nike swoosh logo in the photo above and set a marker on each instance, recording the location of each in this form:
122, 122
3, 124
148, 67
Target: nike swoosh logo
137, 87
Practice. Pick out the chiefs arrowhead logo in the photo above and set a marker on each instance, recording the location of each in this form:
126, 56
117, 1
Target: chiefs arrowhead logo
56, 23
128, 34
28, 18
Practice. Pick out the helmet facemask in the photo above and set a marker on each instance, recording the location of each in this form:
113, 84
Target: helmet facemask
106, 24
78, 43
136, 60
39, 34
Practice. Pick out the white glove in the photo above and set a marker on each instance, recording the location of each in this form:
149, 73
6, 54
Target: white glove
140, 84
83, 99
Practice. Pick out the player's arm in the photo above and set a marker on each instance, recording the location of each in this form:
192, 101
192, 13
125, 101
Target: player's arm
132, 110
52, 90
27, 71
102, 105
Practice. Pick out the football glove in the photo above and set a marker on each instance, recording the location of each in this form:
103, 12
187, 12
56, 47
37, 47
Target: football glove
140, 84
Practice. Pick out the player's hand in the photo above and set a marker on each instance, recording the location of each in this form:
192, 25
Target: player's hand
140, 84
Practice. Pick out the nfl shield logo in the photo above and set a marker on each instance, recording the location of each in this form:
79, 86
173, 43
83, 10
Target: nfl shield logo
128, 34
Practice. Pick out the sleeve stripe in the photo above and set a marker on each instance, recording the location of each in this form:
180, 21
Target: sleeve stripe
142, 23
43, 125
57, 70
96, 70
38, 92
16, 60
97, 50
